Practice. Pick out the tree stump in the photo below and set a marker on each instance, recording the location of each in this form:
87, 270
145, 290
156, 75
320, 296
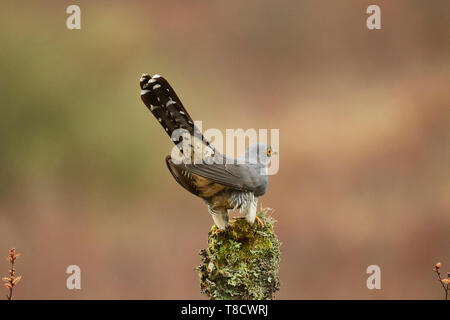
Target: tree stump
242, 261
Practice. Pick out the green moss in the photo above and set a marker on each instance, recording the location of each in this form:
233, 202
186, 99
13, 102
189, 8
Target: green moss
242, 261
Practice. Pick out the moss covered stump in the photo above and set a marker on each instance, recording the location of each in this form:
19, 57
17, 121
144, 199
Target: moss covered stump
242, 261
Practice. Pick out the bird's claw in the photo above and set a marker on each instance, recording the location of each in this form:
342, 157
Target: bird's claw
260, 221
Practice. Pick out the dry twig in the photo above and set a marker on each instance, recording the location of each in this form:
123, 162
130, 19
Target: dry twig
444, 282
12, 280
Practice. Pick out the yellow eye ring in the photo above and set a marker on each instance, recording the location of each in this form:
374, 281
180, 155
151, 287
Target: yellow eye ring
269, 152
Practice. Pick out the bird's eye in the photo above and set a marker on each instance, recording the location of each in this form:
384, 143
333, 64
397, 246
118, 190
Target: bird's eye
269, 152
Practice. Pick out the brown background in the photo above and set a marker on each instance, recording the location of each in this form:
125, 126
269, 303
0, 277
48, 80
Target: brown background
364, 119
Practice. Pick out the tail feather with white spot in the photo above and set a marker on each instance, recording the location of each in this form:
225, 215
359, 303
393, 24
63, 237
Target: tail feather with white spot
164, 104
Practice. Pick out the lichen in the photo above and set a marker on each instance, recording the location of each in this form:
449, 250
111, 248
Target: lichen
242, 261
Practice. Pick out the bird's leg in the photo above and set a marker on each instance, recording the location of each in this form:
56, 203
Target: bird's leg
220, 217
260, 221
250, 214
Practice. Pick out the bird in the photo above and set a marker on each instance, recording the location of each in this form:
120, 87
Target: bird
222, 182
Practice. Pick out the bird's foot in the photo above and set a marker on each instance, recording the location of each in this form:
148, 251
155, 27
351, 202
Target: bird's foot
260, 221
219, 230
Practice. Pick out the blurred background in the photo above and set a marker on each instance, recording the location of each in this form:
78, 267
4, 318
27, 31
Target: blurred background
364, 119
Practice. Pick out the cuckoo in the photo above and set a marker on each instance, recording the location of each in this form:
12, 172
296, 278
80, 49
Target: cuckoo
222, 182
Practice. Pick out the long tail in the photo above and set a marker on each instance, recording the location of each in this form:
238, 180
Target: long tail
164, 104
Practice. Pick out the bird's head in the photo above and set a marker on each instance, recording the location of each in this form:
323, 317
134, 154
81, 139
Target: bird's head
258, 153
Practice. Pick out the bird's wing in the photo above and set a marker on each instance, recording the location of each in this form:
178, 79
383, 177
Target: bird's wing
182, 179
242, 177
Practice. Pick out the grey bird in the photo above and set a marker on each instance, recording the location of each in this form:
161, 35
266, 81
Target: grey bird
223, 183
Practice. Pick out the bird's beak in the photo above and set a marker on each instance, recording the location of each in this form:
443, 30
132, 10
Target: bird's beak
274, 152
